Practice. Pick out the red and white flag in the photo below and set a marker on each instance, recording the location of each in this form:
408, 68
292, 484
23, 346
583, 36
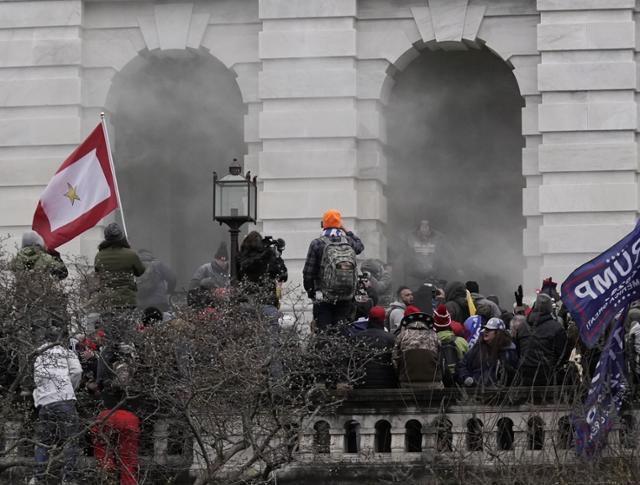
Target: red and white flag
80, 193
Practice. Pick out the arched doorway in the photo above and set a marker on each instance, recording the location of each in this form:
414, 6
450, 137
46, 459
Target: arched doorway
454, 150
177, 116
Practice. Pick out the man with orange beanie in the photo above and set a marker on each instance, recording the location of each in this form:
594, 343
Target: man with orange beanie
330, 271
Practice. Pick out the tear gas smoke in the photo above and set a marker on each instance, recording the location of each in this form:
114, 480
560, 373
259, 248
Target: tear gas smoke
454, 151
178, 116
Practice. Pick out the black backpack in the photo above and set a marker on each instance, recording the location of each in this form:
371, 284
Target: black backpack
449, 360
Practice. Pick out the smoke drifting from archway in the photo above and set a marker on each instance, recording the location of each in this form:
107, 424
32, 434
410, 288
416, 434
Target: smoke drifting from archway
177, 118
454, 150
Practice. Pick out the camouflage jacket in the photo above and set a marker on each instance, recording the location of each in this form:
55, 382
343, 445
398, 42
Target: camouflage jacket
415, 354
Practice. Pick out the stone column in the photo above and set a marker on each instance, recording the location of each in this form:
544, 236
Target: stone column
40, 115
308, 122
588, 195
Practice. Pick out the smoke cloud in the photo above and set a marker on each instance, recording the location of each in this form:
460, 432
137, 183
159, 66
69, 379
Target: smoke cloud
178, 117
454, 150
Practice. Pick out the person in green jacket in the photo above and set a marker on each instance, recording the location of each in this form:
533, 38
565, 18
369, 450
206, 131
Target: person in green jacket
452, 347
33, 256
116, 265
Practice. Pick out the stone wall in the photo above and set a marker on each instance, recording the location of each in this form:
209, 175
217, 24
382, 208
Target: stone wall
315, 76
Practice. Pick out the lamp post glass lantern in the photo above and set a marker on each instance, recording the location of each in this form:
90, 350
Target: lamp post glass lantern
234, 203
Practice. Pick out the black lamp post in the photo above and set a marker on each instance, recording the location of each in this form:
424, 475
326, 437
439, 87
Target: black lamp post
235, 201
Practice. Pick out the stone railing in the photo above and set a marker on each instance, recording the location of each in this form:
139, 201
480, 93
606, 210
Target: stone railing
408, 427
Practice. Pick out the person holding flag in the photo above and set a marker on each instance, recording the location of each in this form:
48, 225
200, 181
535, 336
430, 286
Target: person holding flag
597, 295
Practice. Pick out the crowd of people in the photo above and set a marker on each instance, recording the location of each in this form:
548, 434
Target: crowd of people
423, 335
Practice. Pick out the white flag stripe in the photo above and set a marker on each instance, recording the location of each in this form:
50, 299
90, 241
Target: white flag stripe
88, 180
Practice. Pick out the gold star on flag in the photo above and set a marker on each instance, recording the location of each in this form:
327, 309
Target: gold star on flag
71, 193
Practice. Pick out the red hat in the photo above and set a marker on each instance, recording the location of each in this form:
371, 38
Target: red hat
441, 317
377, 314
412, 309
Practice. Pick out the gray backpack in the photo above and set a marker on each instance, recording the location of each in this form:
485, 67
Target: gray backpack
338, 270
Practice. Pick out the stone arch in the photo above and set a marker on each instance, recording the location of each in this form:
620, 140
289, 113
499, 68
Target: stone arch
322, 437
442, 25
474, 435
170, 131
565, 433
413, 436
444, 434
535, 433
382, 439
163, 27
504, 434
351, 436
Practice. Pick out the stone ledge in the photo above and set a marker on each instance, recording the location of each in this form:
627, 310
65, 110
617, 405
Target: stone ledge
279, 9
584, 4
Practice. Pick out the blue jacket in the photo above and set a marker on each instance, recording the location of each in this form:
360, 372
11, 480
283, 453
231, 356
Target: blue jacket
485, 372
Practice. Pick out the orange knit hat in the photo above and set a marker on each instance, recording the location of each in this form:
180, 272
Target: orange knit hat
332, 219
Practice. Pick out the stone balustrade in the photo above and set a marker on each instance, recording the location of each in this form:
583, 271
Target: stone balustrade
396, 427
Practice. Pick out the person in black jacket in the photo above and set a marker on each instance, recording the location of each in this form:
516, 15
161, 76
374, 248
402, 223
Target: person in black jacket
455, 295
379, 371
543, 351
261, 269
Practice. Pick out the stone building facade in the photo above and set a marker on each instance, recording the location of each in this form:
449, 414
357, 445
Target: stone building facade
315, 76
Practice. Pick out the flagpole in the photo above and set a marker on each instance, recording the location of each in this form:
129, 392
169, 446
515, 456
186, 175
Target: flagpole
113, 171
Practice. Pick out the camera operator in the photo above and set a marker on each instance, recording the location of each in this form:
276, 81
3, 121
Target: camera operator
261, 268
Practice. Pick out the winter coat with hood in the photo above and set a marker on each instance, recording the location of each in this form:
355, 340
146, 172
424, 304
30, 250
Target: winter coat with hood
488, 370
32, 256
116, 265
455, 295
156, 283
379, 371
481, 299
544, 350
415, 354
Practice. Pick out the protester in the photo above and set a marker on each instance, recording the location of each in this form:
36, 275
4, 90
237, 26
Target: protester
379, 371
330, 271
117, 422
474, 289
380, 280
455, 295
116, 265
542, 360
452, 347
428, 256
395, 312
57, 374
416, 350
33, 256
209, 277
492, 361
473, 325
156, 284
260, 269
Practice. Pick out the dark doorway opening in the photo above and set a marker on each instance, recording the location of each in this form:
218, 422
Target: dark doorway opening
454, 158
178, 116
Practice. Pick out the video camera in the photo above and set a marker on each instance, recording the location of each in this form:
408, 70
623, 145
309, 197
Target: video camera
277, 245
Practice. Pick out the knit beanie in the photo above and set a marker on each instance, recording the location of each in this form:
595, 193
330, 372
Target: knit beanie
331, 219
441, 318
113, 232
222, 253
